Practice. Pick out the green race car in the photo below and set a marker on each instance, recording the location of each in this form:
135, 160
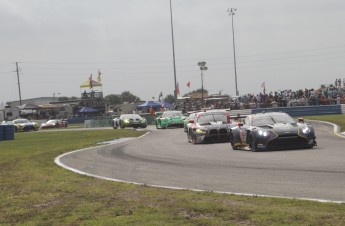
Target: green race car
170, 119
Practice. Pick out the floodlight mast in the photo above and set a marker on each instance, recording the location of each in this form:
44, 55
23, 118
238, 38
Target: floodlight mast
232, 13
202, 65
173, 50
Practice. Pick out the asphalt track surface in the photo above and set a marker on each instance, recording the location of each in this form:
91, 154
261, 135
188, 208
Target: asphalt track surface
164, 158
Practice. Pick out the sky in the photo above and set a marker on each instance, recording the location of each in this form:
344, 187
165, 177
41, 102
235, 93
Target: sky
286, 44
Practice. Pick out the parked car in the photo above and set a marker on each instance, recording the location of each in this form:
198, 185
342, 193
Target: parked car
209, 127
170, 119
6, 123
23, 125
129, 120
272, 130
54, 123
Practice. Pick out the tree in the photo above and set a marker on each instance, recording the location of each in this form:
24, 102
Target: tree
63, 98
113, 99
196, 91
170, 99
129, 97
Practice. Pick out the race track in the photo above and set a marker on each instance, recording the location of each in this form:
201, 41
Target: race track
165, 158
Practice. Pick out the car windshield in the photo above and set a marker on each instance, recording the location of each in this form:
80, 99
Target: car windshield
212, 117
192, 116
52, 121
133, 117
20, 121
260, 120
283, 118
172, 114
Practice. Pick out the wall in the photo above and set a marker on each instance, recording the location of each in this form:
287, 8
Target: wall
299, 111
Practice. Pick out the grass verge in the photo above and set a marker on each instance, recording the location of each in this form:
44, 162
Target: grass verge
35, 191
336, 119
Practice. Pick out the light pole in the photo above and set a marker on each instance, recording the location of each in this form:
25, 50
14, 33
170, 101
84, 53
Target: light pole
54, 95
173, 50
202, 65
232, 13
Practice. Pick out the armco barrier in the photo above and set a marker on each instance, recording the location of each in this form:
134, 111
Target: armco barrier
343, 108
304, 110
97, 123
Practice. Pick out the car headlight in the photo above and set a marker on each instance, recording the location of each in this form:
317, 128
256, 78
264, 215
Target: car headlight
126, 121
306, 130
200, 131
263, 133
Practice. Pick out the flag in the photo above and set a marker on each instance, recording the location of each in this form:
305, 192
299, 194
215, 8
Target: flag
99, 76
177, 89
160, 95
90, 81
188, 84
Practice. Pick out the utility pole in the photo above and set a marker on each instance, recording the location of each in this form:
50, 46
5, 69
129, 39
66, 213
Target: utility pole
20, 95
173, 50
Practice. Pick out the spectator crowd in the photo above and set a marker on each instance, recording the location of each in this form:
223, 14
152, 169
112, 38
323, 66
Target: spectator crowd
325, 95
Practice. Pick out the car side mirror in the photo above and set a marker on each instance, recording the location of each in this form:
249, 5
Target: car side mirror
301, 120
240, 124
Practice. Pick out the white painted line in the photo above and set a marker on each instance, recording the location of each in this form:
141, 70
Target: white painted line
58, 162
335, 127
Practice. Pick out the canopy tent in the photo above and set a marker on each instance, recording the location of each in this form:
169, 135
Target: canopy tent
149, 104
87, 110
94, 83
165, 104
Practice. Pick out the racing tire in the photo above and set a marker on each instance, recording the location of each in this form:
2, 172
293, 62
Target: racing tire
188, 138
233, 143
252, 144
193, 139
121, 126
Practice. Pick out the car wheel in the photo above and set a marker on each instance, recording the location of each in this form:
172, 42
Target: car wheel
252, 144
191, 137
233, 143
121, 126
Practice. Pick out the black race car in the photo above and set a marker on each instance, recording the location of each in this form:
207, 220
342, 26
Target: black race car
272, 130
209, 127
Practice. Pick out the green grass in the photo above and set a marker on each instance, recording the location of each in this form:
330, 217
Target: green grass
336, 119
35, 191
